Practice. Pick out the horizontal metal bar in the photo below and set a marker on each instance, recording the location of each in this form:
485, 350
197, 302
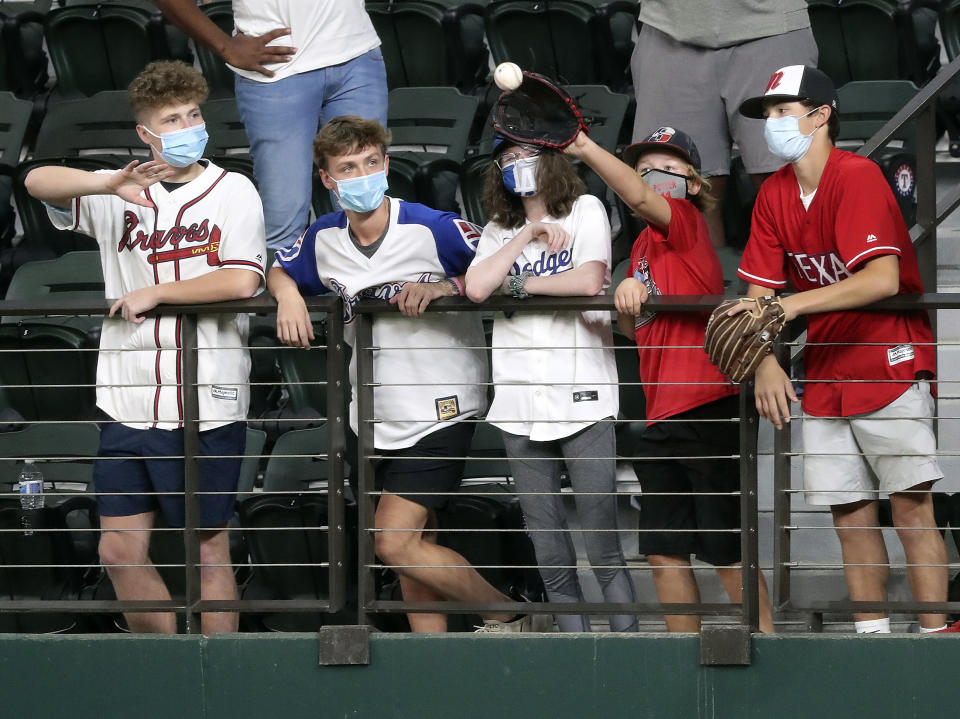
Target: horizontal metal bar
706, 609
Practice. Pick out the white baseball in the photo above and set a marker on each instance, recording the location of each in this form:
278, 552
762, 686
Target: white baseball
508, 76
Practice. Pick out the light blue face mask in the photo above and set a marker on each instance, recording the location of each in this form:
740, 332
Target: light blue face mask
784, 138
181, 148
362, 194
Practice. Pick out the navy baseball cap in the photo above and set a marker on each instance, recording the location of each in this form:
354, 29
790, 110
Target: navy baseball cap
666, 139
792, 83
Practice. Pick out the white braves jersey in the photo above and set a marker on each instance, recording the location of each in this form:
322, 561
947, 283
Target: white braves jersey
429, 370
554, 372
213, 221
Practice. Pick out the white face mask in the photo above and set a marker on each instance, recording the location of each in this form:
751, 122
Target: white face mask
784, 138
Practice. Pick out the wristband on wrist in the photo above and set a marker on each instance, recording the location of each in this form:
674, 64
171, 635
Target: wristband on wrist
518, 285
457, 285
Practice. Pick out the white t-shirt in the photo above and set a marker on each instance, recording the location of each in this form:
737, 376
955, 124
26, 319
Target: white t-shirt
214, 221
324, 32
554, 372
428, 370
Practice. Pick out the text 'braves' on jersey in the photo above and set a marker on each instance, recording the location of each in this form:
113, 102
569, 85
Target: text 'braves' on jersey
554, 372
214, 221
676, 373
427, 370
852, 219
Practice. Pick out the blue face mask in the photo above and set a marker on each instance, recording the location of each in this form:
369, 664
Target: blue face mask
784, 138
181, 148
520, 177
362, 194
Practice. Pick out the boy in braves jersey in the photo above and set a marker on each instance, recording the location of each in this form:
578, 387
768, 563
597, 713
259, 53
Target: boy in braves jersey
431, 369
691, 407
175, 230
828, 223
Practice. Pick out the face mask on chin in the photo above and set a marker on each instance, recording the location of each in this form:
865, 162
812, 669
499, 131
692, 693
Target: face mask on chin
182, 148
666, 184
784, 138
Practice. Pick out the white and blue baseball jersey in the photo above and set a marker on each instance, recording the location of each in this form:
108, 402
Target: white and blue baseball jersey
554, 372
428, 370
214, 221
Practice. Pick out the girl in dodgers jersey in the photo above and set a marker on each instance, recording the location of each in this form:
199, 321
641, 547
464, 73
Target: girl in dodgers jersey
691, 407
554, 372
175, 230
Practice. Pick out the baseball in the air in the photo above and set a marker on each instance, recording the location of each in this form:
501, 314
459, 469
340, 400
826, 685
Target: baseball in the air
508, 76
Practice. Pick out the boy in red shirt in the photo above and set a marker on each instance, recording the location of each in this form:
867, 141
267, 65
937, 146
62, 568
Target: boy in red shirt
659, 180
828, 221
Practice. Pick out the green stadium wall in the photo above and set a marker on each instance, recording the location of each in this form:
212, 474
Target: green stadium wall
462, 677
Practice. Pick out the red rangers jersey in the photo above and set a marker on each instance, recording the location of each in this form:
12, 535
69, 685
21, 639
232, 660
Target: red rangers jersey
853, 218
676, 373
213, 221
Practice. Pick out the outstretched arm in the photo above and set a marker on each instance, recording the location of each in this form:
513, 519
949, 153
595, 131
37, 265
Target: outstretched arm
244, 51
58, 185
623, 180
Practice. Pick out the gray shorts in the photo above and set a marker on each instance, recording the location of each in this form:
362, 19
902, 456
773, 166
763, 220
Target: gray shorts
892, 449
699, 90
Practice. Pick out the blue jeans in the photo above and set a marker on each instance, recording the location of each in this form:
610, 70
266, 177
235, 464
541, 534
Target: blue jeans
283, 117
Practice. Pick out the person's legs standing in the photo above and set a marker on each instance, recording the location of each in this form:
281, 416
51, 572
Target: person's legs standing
536, 472
357, 87
593, 475
281, 119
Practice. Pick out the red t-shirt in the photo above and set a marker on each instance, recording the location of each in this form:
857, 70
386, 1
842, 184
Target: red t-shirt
677, 261
853, 218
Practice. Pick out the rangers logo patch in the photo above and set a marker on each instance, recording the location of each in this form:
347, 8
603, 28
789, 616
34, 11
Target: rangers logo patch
664, 134
904, 180
447, 407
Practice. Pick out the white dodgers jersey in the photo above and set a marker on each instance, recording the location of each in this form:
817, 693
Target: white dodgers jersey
428, 370
214, 221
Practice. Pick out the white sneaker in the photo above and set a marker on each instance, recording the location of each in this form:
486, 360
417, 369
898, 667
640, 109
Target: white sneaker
523, 623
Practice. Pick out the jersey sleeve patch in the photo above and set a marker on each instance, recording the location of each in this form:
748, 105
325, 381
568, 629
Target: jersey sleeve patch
300, 262
456, 239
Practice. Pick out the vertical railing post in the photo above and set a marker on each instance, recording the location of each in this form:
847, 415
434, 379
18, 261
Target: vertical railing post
749, 559
336, 449
782, 499
191, 472
363, 356
927, 198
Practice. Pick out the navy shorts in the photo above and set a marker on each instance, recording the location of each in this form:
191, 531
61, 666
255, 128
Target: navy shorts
687, 509
133, 482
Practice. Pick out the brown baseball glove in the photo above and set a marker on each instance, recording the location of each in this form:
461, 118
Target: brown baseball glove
737, 343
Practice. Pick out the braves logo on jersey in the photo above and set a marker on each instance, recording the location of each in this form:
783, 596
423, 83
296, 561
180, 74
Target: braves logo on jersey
205, 239
821, 269
380, 292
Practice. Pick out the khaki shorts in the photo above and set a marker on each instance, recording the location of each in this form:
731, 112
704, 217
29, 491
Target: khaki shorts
856, 458
699, 90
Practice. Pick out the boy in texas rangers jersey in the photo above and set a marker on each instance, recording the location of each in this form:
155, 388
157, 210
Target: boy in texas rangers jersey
430, 369
828, 222
173, 230
691, 407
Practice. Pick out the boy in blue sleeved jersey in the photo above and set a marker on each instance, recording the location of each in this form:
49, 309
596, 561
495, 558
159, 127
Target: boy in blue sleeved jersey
431, 369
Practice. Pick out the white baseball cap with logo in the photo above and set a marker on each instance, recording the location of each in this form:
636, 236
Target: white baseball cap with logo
791, 83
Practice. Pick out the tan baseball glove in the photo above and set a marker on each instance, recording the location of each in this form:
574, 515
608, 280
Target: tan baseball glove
738, 343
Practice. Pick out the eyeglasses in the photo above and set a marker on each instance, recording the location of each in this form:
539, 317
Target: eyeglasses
511, 157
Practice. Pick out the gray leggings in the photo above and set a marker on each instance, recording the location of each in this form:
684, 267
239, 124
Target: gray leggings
536, 468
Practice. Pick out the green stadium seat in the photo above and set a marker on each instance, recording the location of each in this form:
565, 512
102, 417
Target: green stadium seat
23, 63
219, 76
298, 459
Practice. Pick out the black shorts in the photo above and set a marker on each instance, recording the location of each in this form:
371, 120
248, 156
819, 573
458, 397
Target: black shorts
434, 464
689, 510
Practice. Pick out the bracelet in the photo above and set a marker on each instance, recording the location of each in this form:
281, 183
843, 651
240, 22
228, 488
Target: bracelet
518, 285
457, 285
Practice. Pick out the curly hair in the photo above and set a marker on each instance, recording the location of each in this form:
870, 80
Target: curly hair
346, 134
558, 184
165, 83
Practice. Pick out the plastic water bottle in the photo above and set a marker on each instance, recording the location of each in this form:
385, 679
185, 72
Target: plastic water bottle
31, 497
